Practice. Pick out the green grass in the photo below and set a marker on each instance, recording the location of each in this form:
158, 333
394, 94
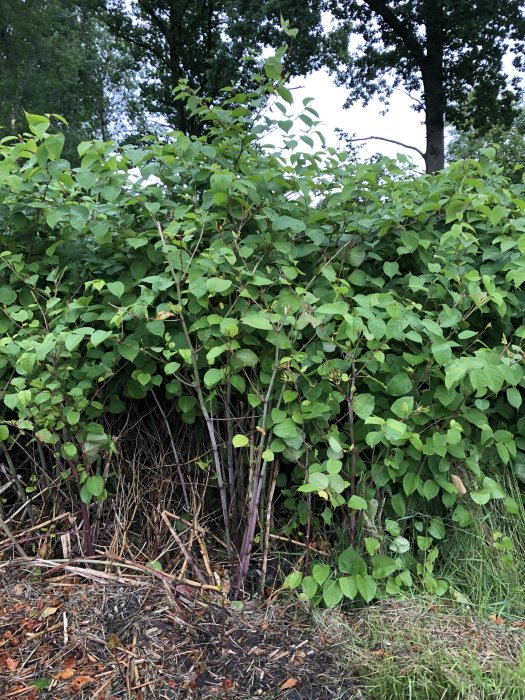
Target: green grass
481, 572
420, 650
468, 645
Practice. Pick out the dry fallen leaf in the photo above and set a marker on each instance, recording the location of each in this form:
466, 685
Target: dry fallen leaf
42, 550
496, 619
11, 663
80, 682
288, 683
228, 684
113, 642
65, 674
519, 623
299, 658
456, 480
47, 612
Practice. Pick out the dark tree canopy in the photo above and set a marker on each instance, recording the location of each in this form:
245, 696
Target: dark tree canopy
450, 51
508, 141
204, 42
54, 60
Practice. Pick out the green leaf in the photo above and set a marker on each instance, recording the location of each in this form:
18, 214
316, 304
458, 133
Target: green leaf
218, 285
7, 295
372, 544
366, 586
335, 308
480, 497
273, 68
240, 441
46, 436
156, 328
410, 482
332, 593
213, 376
38, 125
229, 327
155, 565
350, 562
392, 527
514, 397
320, 573
220, 182
143, 378
70, 450
128, 349
40, 683
99, 337
287, 223
442, 353
437, 528
284, 93
246, 357
357, 503
4, 433
400, 545
73, 340
257, 321
424, 543
268, 456
72, 416
430, 489
116, 288
293, 580
383, 566
390, 268
286, 430
334, 444
399, 505
26, 363
399, 385
95, 485
394, 430
454, 374
403, 407
363, 405
348, 586
493, 487
309, 586
318, 481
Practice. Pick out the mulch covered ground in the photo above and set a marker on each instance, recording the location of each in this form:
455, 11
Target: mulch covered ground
95, 630
92, 633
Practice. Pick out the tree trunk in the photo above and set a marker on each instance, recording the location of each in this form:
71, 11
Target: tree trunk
435, 126
433, 75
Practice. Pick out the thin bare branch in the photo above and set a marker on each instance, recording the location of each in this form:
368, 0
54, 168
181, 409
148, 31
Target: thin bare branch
397, 143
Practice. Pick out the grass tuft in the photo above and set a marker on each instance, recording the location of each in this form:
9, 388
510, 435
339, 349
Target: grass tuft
423, 651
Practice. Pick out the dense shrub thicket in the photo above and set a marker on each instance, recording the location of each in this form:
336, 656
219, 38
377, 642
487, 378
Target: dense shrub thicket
345, 338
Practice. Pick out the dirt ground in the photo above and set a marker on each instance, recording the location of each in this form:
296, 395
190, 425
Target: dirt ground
142, 637
97, 632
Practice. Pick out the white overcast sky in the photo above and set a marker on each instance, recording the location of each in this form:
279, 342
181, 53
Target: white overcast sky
400, 123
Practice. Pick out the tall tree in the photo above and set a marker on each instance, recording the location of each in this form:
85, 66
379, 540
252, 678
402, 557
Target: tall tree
54, 60
449, 51
205, 43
